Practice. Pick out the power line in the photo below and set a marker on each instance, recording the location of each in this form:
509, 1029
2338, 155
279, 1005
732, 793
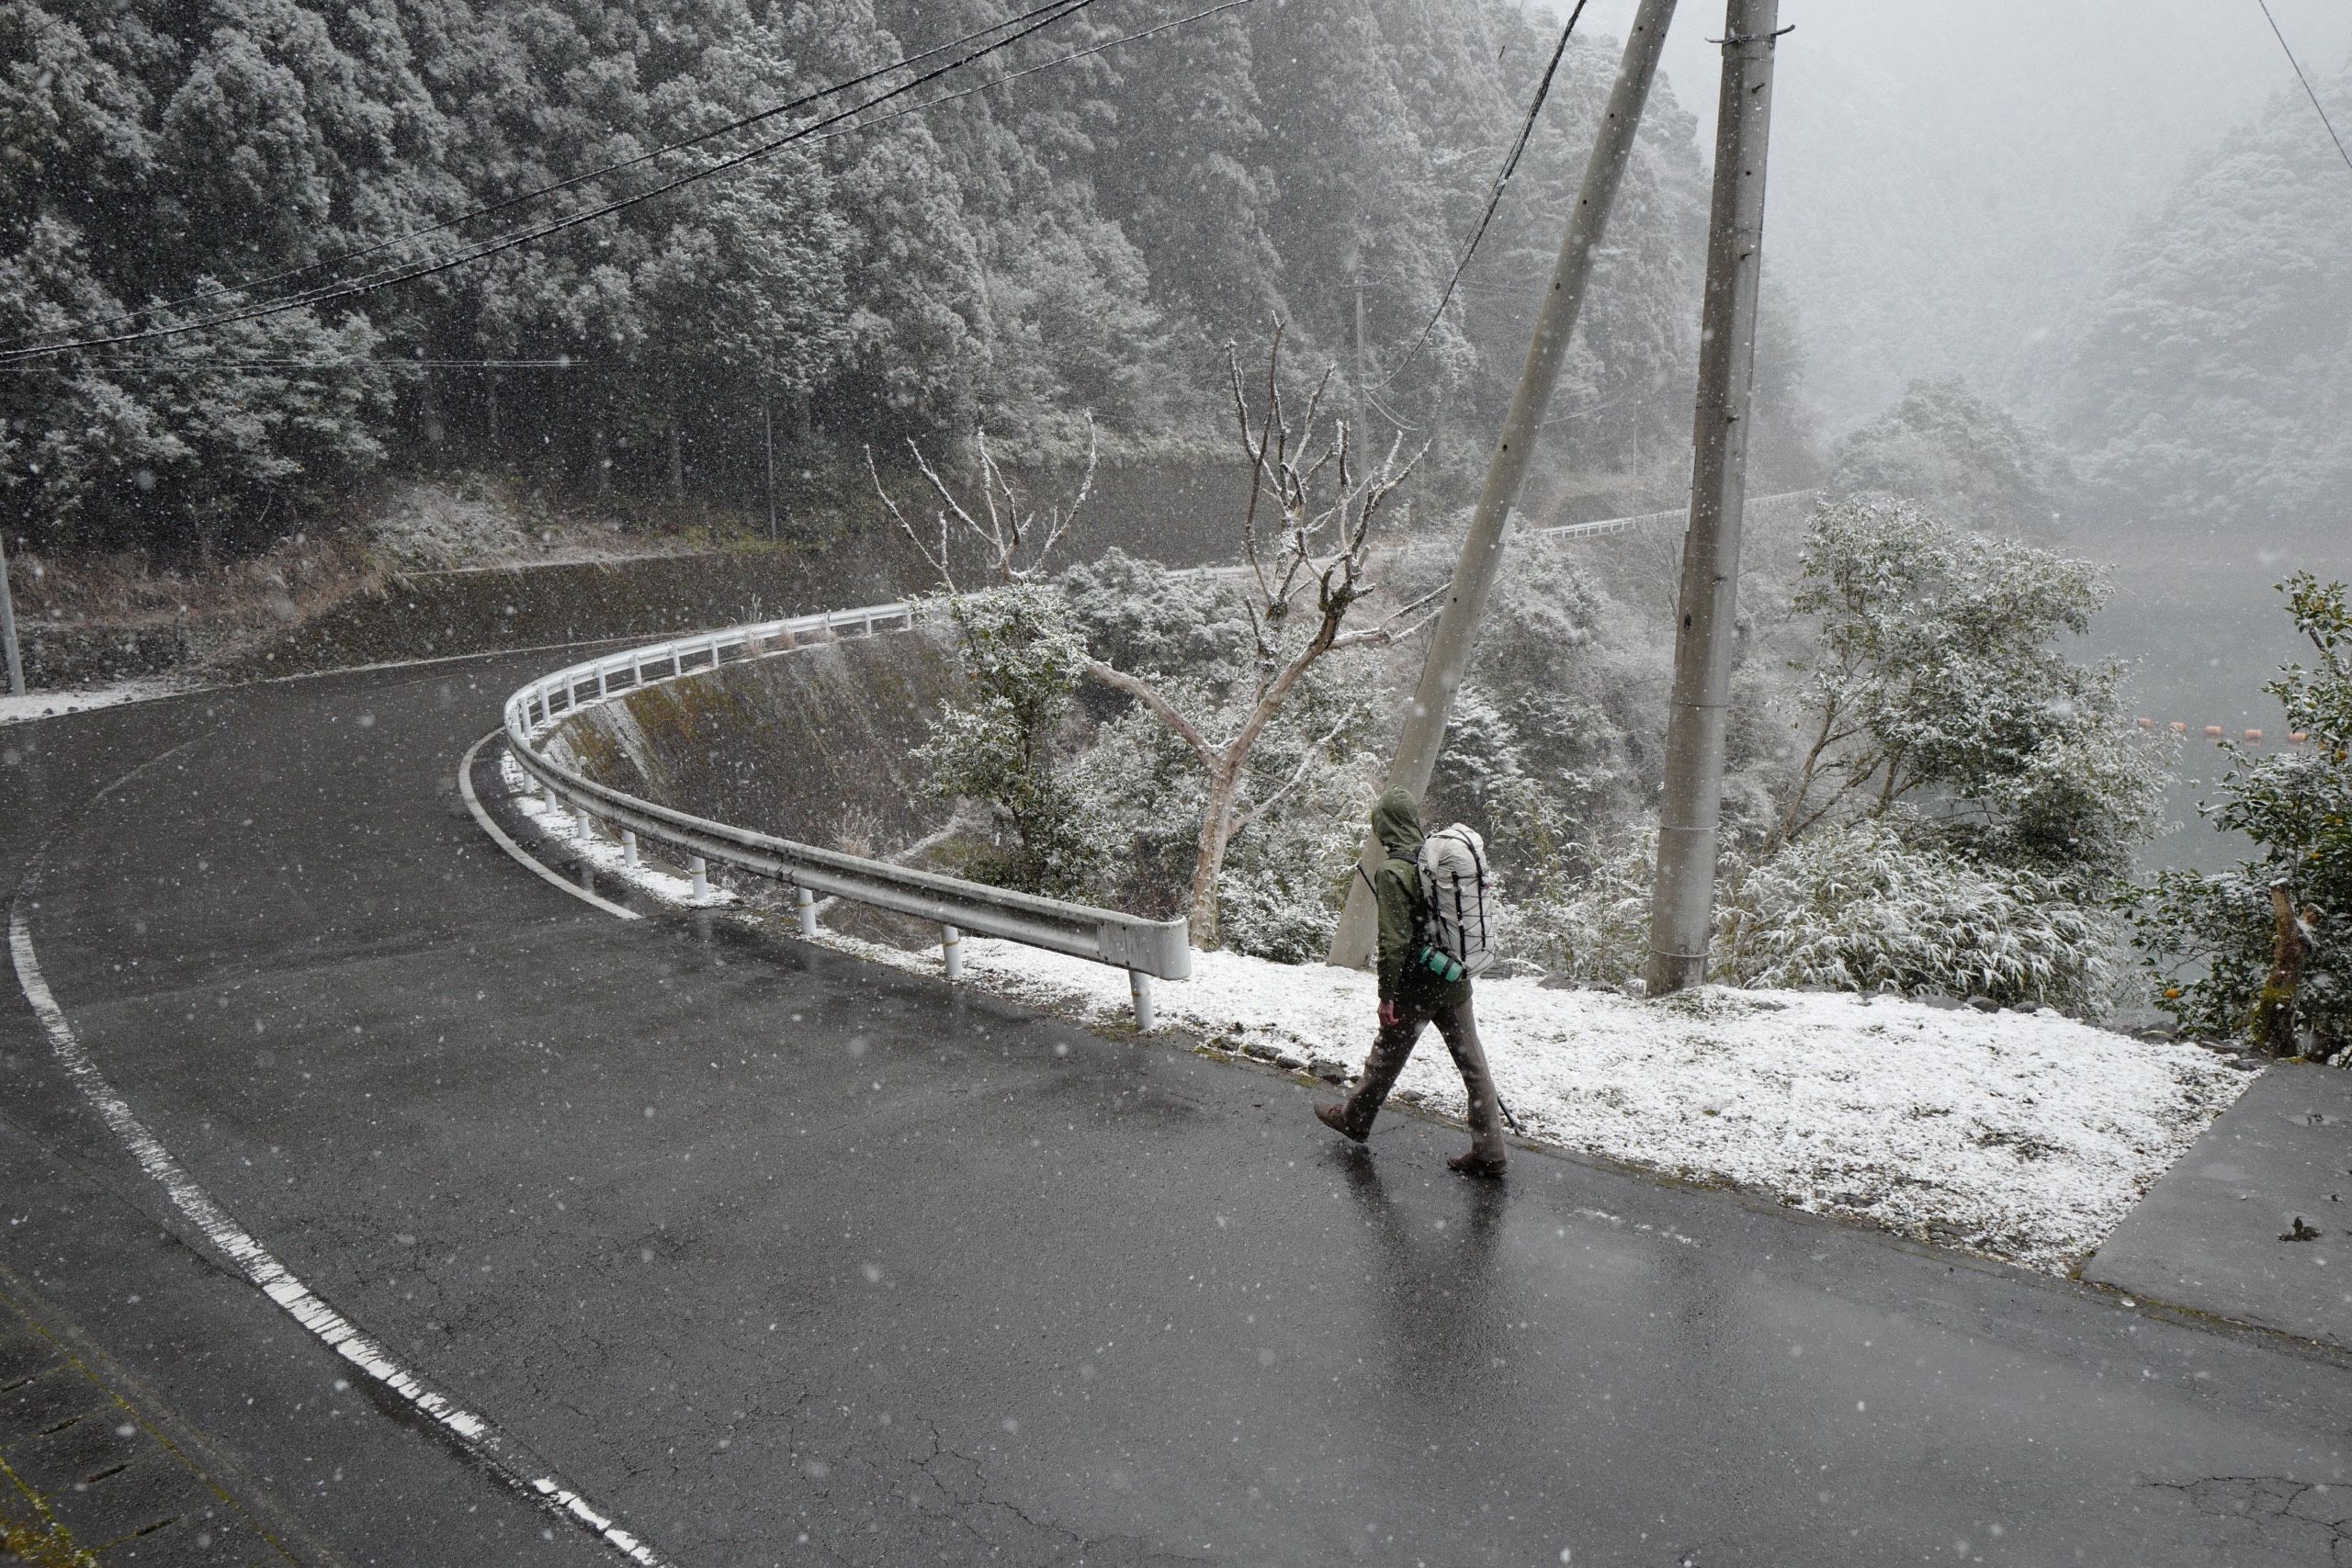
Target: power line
247, 285
513, 239
18, 361
403, 273
1058, 60
1494, 198
2306, 81
562, 362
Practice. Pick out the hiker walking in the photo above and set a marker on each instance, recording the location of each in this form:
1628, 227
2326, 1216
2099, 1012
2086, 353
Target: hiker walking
1421, 983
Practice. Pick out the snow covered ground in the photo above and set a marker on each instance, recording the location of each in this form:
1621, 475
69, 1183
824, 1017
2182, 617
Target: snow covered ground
2025, 1138
49, 705
601, 849
2019, 1136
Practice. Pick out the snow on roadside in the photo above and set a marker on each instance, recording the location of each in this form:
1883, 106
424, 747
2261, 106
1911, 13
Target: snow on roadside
50, 704
2025, 1138
2019, 1136
600, 849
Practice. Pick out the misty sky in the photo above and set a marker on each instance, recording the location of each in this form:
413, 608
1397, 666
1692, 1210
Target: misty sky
1948, 177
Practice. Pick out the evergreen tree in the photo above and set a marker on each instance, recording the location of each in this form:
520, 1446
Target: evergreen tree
1958, 456
2210, 386
1078, 241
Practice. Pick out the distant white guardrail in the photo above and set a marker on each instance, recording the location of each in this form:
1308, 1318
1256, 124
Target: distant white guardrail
1146, 949
1789, 500
1759, 508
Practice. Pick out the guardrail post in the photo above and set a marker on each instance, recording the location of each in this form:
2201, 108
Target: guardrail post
628, 849
804, 904
1140, 984
701, 869
578, 825
677, 662
951, 947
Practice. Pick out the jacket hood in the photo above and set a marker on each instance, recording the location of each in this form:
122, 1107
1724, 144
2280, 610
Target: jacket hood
1396, 822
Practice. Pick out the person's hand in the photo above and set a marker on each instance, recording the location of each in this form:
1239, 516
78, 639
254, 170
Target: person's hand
1388, 1015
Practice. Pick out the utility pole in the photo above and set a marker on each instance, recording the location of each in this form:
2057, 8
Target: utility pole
8, 626
767, 426
1482, 549
1682, 907
1362, 394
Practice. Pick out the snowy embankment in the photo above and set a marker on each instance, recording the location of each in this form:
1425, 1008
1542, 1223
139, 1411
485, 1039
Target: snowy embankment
2022, 1137
46, 704
599, 849
2019, 1136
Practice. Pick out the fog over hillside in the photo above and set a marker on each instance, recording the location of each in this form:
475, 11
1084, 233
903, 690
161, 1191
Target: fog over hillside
1947, 180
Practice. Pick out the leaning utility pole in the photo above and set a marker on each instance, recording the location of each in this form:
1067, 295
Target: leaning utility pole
1362, 394
1682, 906
1482, 549
9, 627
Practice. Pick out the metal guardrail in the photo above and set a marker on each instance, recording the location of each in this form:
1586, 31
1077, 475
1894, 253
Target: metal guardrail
1680, 515
1143, 948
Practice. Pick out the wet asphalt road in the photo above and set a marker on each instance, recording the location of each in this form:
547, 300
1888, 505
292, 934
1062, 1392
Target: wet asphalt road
788, 1259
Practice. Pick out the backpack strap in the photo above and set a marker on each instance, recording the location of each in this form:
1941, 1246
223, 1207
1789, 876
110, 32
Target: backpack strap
1412, 892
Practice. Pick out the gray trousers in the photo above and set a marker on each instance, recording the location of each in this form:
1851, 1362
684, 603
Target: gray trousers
1394, 1047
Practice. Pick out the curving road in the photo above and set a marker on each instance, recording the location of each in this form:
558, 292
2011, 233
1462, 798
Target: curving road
779, 1258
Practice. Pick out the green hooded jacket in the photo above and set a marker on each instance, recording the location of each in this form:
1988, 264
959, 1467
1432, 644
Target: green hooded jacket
1396, 822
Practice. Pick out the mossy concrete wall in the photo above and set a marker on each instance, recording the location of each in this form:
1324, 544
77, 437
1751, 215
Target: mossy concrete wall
815, 745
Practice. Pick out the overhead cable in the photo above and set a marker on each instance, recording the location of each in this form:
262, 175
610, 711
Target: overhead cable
246, 286
927, 104
1495, 196
2306, 81
513, 239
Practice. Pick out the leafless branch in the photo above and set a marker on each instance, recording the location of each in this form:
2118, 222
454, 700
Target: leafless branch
1298, 777
938, 563
1009, 527
1144, 693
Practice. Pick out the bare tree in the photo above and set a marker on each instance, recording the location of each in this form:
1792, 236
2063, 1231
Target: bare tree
1307, 539
1013, 528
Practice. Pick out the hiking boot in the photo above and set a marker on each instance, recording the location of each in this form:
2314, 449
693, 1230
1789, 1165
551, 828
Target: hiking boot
1336, 1118
1476, 1164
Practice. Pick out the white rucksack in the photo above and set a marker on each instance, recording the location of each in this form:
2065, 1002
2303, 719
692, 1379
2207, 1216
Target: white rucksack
1458, 891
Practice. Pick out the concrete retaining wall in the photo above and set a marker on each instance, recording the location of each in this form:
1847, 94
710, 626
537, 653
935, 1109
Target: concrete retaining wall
425, 614
815, 745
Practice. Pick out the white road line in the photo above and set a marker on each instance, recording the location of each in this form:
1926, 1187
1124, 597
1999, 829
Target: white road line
476, 1436
473, 804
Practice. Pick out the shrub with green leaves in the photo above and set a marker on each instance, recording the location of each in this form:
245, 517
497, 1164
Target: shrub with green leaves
2211, 937
1960, 802
1941, 685
1875, 906
1870, 905
998, 745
